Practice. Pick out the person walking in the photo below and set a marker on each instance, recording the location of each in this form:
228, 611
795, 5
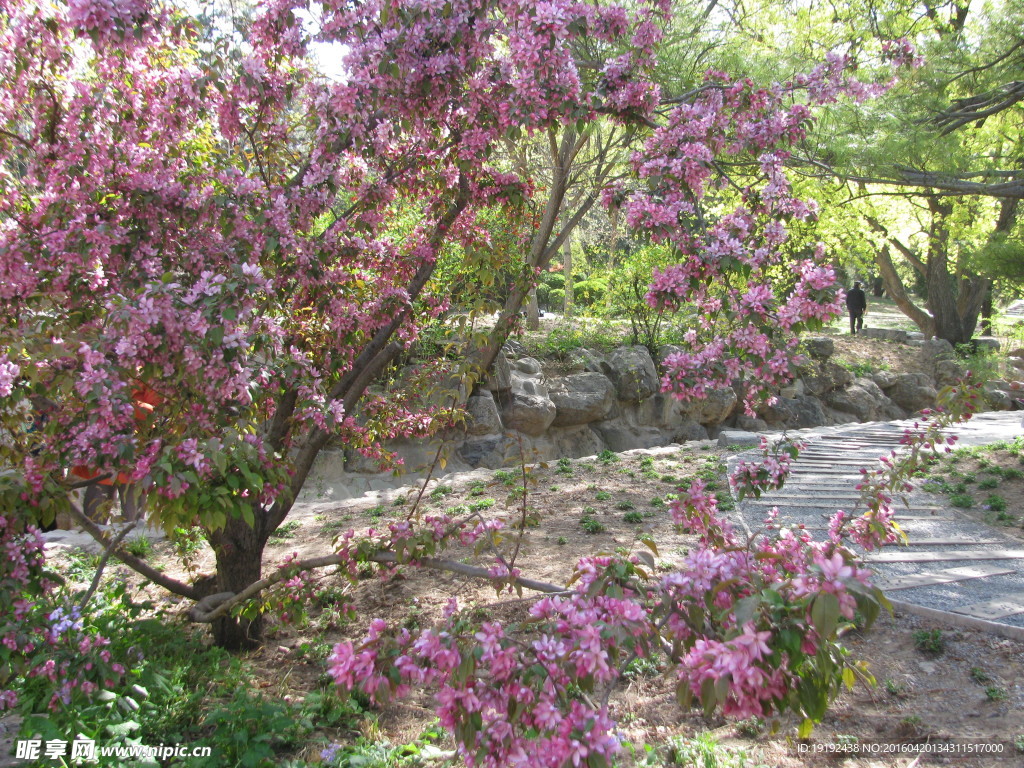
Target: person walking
856, 304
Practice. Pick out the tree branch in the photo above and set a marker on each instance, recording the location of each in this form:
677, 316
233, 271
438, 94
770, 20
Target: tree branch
214, 607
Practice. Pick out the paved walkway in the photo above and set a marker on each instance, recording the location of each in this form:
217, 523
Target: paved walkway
953, 568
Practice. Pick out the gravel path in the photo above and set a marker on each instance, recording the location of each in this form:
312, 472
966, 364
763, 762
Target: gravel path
971, 572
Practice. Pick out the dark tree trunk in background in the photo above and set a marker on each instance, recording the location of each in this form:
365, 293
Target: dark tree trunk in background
878, 286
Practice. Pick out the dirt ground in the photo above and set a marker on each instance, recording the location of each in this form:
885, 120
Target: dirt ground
971, 693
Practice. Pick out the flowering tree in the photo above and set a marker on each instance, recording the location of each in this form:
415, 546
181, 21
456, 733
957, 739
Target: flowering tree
200, 283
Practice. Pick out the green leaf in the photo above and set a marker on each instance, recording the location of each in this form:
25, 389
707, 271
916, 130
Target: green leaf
805, 729
825, 614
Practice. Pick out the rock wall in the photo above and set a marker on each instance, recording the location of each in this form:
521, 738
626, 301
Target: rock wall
525, 411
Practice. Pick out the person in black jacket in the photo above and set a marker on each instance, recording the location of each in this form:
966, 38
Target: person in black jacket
856, 304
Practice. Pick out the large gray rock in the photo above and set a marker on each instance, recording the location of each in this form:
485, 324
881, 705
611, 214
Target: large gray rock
527, 365
733, 437
633, 373
886, 334
820, 380
589, 361
620, 436
986, 344
862, 399
793, 413
575, 442
482, 417
912, 392
492, 451
687, 430
884, 379
581, 398
820, 347
715, 408
530, 414
499, 375
660, 410
936, 348
947, 372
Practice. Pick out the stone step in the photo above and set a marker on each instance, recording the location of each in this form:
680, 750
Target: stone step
961, 554
946, 576
998, 608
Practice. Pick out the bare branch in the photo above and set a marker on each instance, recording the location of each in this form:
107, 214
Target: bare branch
215, 606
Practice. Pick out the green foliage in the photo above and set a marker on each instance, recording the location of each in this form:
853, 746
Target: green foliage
440, 492
247, 730
552, 280
894, 687
589, 293
607, 457
140, 546
996, 503
979, 675
591, 524
633, 517
929, 641
564, 466
996, 693
704, 751
482, 504
284, 532
602, 496
624, 505
961, 500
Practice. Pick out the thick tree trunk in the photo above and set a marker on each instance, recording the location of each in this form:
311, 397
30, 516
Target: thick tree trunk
896, 290
239, 552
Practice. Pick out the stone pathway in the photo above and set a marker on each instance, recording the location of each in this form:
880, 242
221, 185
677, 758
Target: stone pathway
954, 568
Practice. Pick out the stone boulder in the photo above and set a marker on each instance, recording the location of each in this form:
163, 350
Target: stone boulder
633, 373
620, 436
946, 372
529, 413
792, 413
986, 344
717, 406
886, 334
581, 398
820, 347
820, 380
862, 399
482, 417
491, 451
575, 442
912, 392
499, 375
589, 361
884, 379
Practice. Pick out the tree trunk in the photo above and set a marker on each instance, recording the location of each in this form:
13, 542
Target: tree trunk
942, 293
532, 311
896, 290
239, 551
567, 274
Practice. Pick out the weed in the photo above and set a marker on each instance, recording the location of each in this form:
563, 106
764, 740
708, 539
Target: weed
911, 722
1018, 742
988, 483
979, 675
996, 693
504, 477
657, 501
646, 462
633, 517
996, 503
561, 541
477, 489
478, 506
140, 546
564, 466
607, 457
895, 687
962, 500
929, 641
284, 532
602, 495
591, 524
640, 667
441, 491
624, 505
704, 751
750, 728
